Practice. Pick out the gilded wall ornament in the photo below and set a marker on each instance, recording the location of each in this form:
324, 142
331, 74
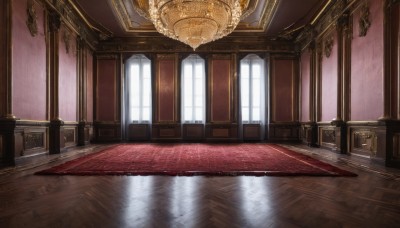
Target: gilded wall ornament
67, 39
364, 22
328, 46
31, 22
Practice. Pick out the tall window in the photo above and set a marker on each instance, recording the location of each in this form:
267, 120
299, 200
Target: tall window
252, 88
193, 89
139, 89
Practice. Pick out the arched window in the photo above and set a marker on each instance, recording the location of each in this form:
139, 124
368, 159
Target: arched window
193, 89
138, 79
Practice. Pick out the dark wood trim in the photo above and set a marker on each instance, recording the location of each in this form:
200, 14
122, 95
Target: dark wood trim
193, 132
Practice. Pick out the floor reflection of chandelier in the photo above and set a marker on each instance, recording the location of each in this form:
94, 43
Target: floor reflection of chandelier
195, 22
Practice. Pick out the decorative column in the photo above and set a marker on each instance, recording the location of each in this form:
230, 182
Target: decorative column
56, 122
7, 119
344, 47
82, 77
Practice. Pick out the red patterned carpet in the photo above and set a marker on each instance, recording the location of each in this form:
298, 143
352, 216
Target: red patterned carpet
197, 159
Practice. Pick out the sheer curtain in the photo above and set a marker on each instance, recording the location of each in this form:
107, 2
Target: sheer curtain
252, 91
138, 89
193, 89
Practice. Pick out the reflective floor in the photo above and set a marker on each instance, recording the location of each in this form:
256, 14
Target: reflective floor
370, 200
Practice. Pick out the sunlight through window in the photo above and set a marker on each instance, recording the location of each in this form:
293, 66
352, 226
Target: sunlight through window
193, 89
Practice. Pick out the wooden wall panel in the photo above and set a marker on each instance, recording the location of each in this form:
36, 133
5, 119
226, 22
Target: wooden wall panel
283, 85
221, 84
1, 148
167, 89
107, 103
29, 76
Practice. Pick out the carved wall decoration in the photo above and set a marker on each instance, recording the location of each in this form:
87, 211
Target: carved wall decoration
31, 21
364, 22
328, 45
67, 40
34, 140
328, 136
54, 21
365, 140
69, 135
338, 9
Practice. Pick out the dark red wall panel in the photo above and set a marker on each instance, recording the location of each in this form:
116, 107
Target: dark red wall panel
305, 85
67, 77
329, 80
106, 89
367, 67
282, 86
28, 64
166, 90
220, 90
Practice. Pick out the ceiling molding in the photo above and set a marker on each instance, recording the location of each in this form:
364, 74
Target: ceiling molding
129, 12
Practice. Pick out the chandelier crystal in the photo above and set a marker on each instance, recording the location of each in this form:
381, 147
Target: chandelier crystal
195, 22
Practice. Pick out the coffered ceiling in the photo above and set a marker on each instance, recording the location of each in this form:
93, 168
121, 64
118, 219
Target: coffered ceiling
270, 18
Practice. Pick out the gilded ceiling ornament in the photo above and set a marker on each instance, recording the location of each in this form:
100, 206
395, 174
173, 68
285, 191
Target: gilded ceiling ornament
364, 22
31, 22
328, 46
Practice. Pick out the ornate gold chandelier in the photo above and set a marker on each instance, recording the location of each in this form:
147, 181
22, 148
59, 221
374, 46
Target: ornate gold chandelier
195, 22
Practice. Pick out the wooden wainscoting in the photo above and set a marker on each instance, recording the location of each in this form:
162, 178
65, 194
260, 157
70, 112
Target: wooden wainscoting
284, 132
85, 133
193, 132
308, 133
221, 132
166, 132
107, 132
252, 132
368, 140
27, 139
139, 132
327, 136
70, 135
1, 148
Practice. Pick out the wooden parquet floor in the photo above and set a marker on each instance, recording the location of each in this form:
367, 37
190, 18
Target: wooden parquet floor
370, 200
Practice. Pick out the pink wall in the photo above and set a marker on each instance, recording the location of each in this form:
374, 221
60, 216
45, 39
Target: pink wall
166, 90
282, 88
89, 86
220, 90
68, 93
106, 90
367, 67
28, 64
305, 85
329, 81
